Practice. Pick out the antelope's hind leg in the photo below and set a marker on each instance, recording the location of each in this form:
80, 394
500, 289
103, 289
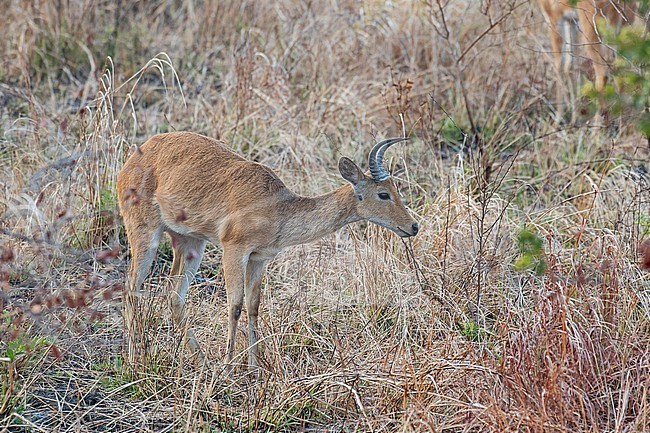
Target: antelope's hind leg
563, 34
188, 253
254, 272
144, 236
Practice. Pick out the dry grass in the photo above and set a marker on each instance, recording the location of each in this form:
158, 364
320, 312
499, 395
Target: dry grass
357, 335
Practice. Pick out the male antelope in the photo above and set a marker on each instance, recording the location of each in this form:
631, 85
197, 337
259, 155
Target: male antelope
197, 190
561, 16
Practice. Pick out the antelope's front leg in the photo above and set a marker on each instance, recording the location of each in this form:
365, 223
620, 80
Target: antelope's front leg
234, 264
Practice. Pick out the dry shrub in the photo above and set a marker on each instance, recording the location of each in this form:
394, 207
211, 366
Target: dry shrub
571, 362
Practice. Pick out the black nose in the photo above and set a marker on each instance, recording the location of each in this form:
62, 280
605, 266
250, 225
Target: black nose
415, 228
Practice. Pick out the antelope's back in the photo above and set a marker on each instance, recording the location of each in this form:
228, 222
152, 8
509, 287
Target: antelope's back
188, 173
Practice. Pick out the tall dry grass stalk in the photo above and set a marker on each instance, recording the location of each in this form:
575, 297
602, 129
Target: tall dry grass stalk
453, 332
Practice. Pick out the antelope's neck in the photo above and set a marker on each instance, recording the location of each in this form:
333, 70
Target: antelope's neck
310, 218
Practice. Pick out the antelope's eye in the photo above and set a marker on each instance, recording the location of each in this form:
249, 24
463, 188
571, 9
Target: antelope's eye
384, 196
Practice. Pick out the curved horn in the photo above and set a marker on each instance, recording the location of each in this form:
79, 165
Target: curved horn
376, 158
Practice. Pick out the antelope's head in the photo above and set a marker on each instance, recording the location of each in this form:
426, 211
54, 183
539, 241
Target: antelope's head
378, 200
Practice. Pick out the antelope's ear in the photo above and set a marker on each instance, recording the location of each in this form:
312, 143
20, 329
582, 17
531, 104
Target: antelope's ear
350, 171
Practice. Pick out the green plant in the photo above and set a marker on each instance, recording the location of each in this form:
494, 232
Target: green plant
450, 133
474, 332
17, 351
531, 253
644, 223
629, 91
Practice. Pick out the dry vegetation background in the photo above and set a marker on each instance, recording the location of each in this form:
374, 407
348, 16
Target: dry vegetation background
473, 326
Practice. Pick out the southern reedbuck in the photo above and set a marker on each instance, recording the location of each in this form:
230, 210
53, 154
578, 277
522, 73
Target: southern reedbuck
196, 190
561, 16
